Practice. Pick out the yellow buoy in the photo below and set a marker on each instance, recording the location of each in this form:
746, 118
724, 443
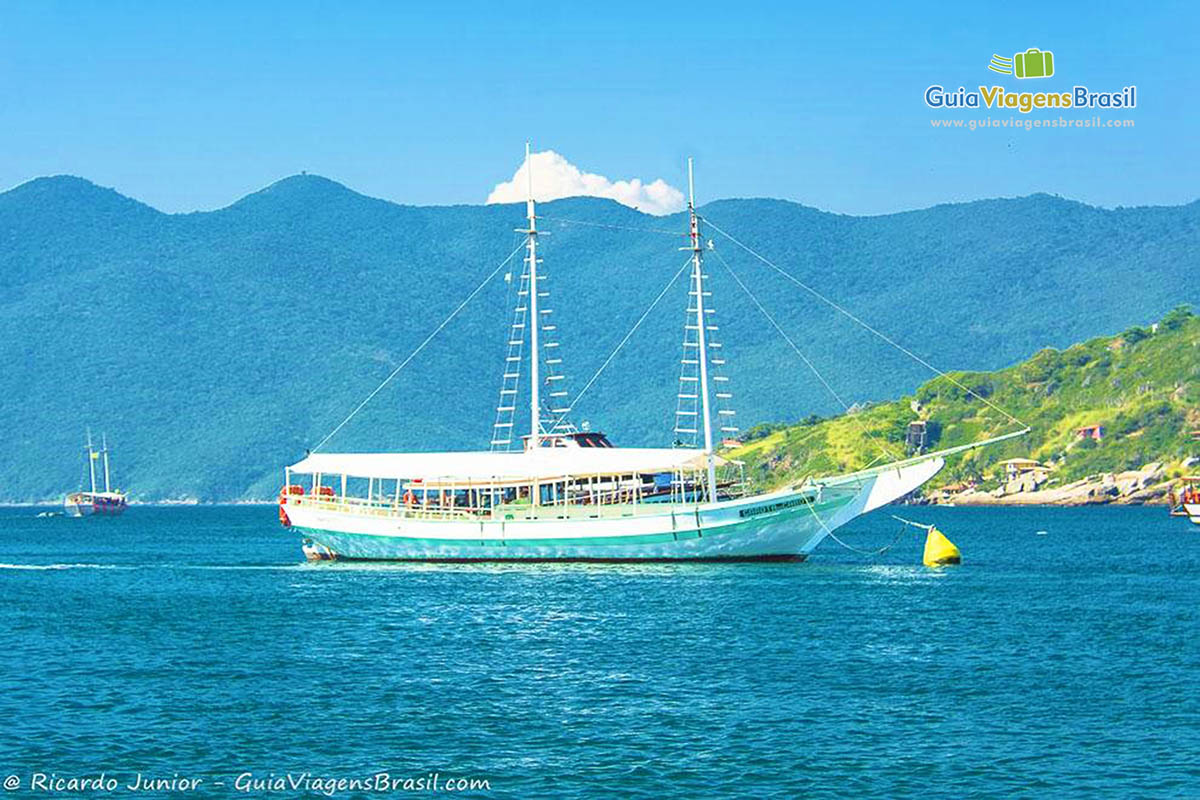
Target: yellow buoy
940, 551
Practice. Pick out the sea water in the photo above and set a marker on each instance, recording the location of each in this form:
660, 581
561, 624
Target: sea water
193, 645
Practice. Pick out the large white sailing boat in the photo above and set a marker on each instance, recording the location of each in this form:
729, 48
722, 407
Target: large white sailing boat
570, 494
109, 502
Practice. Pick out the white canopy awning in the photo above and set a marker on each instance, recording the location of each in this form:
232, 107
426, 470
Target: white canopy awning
543, 464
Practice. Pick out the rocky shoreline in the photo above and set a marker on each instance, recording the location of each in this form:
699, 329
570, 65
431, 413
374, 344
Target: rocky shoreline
1148, 485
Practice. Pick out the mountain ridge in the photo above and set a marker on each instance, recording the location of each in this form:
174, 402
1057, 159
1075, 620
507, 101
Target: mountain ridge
290, 181
215, 346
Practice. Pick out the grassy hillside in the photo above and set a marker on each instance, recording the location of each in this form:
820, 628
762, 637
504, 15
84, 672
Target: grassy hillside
1143, 386
214, 347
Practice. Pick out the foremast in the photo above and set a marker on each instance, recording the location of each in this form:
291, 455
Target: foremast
547, 404
701, 329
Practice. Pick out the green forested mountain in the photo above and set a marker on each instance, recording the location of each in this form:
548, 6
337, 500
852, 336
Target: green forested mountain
215, 347
1142, 388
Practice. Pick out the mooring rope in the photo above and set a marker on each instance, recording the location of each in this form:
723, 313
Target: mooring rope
829, 532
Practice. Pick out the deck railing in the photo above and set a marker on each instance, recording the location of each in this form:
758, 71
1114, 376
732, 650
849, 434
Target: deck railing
584, 500
511, 511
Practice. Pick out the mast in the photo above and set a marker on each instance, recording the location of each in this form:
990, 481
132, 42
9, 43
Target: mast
702, 340
91, 460
104, 450
535, 422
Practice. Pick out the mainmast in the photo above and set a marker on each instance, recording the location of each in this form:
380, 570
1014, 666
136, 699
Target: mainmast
104, 450
535, 407
91, 460
702, 340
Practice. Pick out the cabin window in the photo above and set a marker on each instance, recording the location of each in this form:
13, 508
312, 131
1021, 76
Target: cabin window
592, 440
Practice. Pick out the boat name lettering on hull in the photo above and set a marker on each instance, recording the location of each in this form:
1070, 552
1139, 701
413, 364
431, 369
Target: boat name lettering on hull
756, 510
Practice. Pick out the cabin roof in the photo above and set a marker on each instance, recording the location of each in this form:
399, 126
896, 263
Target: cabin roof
482, 467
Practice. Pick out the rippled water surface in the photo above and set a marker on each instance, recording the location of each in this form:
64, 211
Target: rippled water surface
192, 641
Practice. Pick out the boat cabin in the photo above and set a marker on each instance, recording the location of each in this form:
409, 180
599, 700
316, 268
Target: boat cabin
578, 475
568, 439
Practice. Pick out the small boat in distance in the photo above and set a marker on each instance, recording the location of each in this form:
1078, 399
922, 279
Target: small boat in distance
1187, 502
109, 502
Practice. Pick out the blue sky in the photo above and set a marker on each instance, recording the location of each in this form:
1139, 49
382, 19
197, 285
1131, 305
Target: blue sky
190, 108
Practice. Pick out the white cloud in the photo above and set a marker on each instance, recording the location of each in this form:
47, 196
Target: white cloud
555, 177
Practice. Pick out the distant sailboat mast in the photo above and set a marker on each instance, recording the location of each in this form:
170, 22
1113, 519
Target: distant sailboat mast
91, 459
104, 450
702, 340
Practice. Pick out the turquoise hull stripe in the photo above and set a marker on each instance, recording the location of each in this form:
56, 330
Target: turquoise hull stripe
650, 538
399, 540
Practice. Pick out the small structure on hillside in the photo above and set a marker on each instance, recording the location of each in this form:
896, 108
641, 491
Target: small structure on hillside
1195, 436
1093, 432
917, 436
1015, 468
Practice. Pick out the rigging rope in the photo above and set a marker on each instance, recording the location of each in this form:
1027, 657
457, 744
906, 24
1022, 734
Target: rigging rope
804, 358
632, 330
861, 323
420, 347
613, 227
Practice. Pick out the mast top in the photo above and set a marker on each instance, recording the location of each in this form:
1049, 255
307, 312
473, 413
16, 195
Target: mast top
528, 186
691, 188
